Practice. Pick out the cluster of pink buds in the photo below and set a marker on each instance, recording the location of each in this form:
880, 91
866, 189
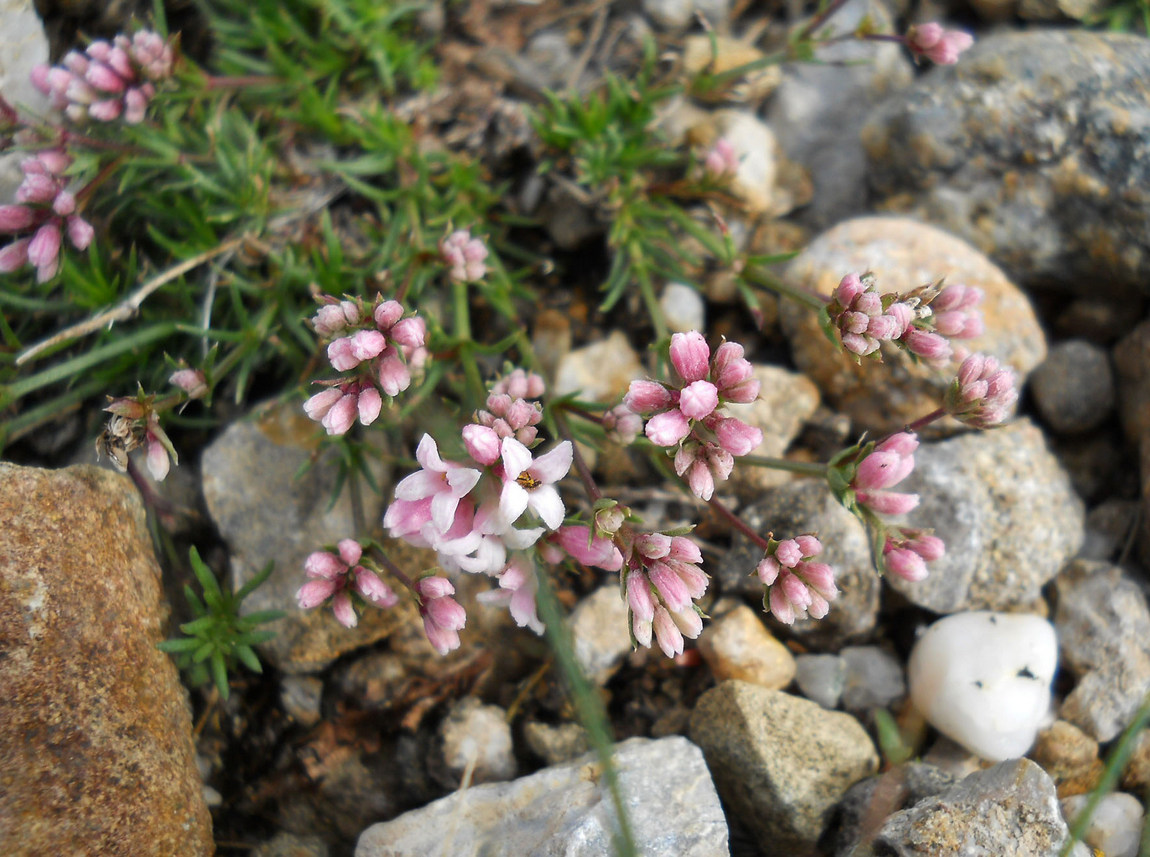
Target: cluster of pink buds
721, 161
885, 466
937, 44
45, 210
796, 587
443, 616
519, 384
622, 425
108, 80
465, 256
516, 592
906, 553
691, 407
663, 580
135, 423
505, 417
865, 319
337, 576
380, 347
982, 394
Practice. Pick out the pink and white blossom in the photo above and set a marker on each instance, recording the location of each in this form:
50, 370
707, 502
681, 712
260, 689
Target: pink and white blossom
529, 483
445, 482
465, 256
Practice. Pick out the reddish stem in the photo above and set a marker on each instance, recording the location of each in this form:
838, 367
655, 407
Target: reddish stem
739, 524
925, 421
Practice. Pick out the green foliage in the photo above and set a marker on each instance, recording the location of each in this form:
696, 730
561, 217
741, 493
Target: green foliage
1123, 16
607, 144
218, 638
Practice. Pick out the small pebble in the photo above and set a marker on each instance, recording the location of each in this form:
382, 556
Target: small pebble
874, 679
477, 737
1115, 828
1074, 387
682, 307
983, 679
738, 645
301, 696
821, 678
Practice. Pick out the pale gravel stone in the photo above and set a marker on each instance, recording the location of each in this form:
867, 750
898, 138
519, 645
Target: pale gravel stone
600, 633
1115, 827
565, 811
477, 739
737, 645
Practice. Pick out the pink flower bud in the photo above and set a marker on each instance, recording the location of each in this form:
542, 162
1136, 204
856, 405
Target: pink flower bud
106, 110
735, 436
690, 356
44, 251
869, 302
768, 570
849, 288
860, 345
667, 428
318, 405
906, 564
936, 44
667, 633
809, 545
14, 256
482, 444
80, 232
329, 319
366, 344
698, 399
136, 103
387, 314
593, 551
653, 545
314, 593
882, 470
341, 416
369, 405
622, 424
37, 189
104, 79
929, 548
411, 333
639, 597
368, 584
191, 381
341, 354
788, 553
887, 502
643, 397
343, 610
13, 218
722, 159
394, 376
901, 443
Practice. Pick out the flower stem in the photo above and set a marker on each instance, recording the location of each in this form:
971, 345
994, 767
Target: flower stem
393, 569
739, 524
925, 421
768, 281
463, 333
807, 468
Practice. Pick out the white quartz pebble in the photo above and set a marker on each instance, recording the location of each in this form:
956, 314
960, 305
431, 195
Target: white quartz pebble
683, 308
1115, 828
983, 679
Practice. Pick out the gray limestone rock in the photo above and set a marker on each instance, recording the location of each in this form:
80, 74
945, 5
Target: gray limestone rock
1005, 509
1104, 637
1034, 148
1008, 809
565, 811
780, 762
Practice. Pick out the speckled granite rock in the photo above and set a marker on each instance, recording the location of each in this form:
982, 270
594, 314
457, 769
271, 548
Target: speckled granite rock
903, 255
807, 506
780, 762
1004, 507
1008, 809
1104, 635
1032, 148
96, 752
265, 512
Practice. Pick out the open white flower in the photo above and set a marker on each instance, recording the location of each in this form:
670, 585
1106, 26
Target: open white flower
446, 482
529, 483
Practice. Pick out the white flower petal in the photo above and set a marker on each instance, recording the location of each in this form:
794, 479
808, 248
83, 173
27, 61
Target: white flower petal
513, 502
544, 501
554, 465
516, 458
